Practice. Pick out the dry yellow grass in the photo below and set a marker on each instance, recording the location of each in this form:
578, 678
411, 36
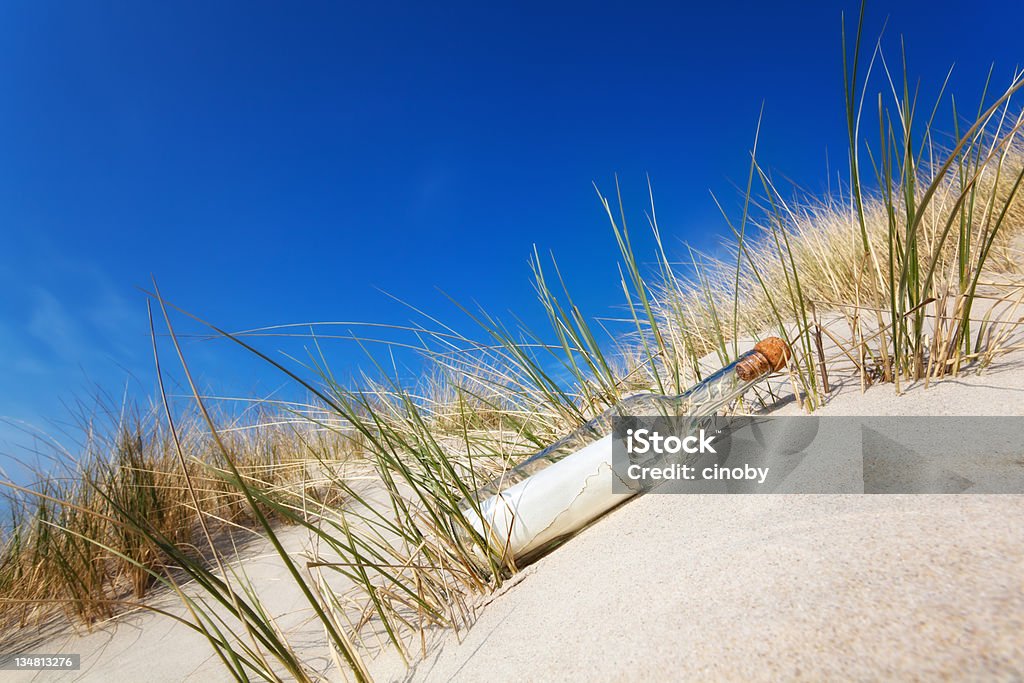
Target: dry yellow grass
902, 268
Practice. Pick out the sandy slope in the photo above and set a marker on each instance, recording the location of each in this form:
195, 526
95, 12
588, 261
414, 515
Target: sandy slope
144, 646
765, 588
775, 587
705, 587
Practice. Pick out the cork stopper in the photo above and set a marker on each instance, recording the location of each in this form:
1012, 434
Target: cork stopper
769, 355
775, 350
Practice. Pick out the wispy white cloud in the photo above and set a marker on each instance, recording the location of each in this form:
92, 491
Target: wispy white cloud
64, 329
50, 323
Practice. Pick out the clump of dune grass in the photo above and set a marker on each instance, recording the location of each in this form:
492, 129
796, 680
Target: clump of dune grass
66, 547
890, 272
908, 261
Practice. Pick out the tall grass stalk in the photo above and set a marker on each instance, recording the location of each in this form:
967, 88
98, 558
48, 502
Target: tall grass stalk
376, 473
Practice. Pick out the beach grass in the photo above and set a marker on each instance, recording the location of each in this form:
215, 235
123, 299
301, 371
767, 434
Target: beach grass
378, 472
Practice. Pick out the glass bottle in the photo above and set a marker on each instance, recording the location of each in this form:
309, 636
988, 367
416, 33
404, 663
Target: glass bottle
564, 487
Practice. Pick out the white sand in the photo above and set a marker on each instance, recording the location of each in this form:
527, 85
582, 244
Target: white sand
708, 588
144, 646
689, 587
765, 588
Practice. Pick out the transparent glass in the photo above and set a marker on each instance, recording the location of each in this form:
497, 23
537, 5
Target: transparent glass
564, 487
704, 399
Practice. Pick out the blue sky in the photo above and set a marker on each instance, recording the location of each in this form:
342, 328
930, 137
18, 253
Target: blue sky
279, 162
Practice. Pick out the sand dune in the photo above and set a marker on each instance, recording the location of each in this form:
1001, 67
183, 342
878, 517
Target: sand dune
707, 587
818, 587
